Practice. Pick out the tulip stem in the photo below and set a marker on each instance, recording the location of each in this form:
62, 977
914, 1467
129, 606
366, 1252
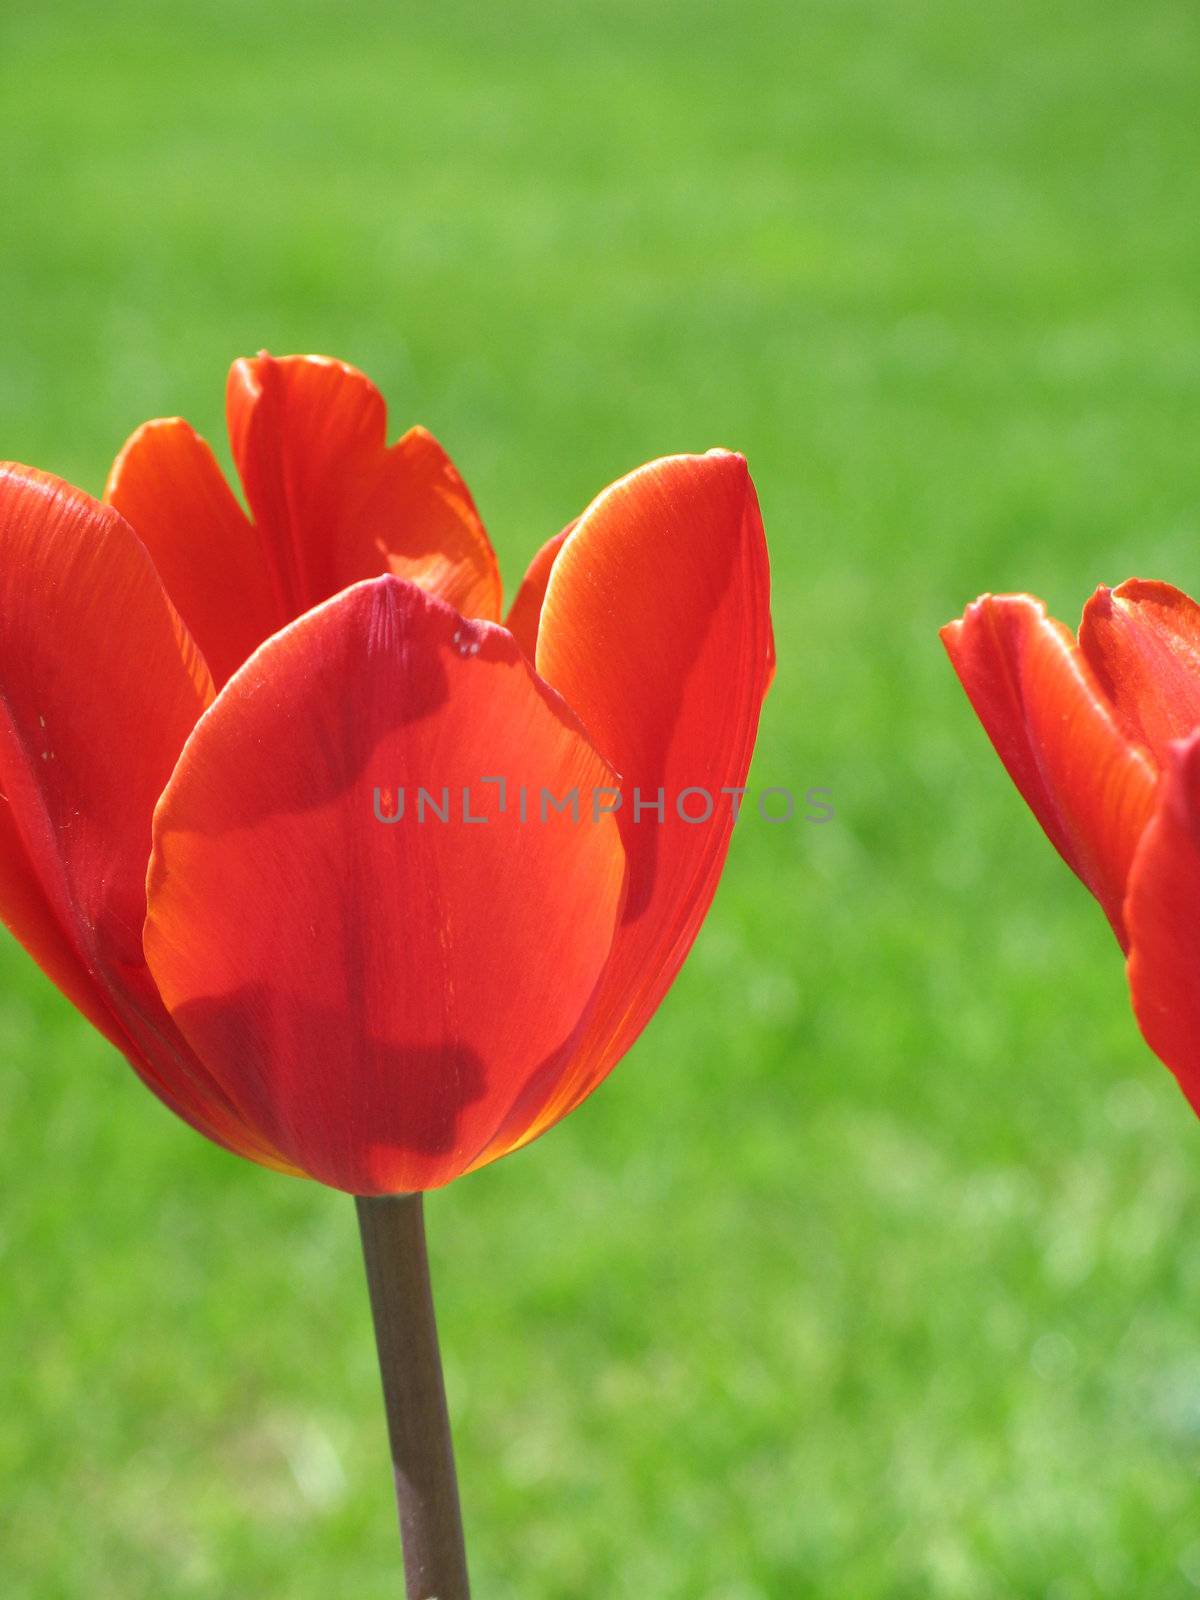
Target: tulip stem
393, 1240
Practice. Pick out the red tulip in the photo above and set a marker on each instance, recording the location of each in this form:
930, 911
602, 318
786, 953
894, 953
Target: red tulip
1102, 737
197, 706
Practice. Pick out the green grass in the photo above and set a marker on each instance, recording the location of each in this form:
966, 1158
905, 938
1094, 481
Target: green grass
874, 1272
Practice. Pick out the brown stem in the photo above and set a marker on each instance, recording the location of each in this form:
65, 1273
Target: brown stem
393, 1240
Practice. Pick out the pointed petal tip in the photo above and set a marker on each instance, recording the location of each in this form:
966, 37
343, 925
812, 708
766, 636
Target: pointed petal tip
1153, 589
267, 358
1142, 641
734, 458
1133, 592
951, 633
334, 502
137, 440
1057, 733
1097, 608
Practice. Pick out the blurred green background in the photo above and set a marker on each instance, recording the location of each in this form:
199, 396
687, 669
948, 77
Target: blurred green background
875, 1269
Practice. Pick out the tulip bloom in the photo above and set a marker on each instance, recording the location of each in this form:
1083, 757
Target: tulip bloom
198, 703
1101, 735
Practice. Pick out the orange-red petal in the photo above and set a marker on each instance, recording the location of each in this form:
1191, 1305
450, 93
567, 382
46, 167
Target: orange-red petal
333, 504
1162, 914
100, 684
374, 997
525, 613
1142, 642
167, 485
656, 630
1056, 733
25, 912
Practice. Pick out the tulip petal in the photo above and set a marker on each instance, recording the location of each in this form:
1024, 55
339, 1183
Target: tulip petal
1142, 642
26, 914
100, 685
167, 485
656, 631
525, 613
375, 997
1162, 913
111, 998
1040, 704
334, 504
